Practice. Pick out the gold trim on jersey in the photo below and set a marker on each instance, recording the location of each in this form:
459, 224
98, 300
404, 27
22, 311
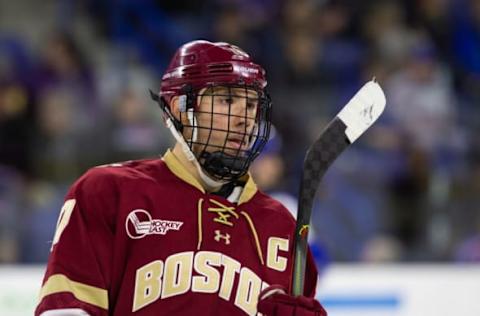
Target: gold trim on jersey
199, 223
248, 191
255, 236
181, 172
58, 283
223, 212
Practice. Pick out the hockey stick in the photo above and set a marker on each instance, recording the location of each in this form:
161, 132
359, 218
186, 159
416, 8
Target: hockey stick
351, 122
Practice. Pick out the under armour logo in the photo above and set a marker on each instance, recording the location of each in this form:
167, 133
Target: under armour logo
219, 236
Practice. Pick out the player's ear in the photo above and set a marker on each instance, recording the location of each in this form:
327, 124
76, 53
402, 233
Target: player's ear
175, 107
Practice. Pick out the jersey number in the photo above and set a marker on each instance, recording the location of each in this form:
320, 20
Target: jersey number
63, 220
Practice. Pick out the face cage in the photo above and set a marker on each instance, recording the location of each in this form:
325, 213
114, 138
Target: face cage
225, 152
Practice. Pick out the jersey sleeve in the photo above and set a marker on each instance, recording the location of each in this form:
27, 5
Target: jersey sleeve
77, 277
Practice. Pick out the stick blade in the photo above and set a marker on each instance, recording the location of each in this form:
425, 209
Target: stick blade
363, 110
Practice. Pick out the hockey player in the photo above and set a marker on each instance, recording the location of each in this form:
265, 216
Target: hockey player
188, 233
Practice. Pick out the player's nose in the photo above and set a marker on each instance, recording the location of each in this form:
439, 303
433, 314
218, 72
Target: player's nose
240, 115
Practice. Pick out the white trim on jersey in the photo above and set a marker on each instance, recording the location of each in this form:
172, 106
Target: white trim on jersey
65, 312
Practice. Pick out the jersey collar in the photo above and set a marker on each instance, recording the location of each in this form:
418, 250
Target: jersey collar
176, 167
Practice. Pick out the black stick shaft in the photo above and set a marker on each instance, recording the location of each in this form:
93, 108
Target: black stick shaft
321, 154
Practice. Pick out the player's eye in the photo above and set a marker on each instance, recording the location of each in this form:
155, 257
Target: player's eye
251, 104
226, 100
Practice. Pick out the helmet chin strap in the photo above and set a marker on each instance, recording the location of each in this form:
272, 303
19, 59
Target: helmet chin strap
215, 184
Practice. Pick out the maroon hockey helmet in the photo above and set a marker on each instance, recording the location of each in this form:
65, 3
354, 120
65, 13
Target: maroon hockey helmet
198, 65
203, 63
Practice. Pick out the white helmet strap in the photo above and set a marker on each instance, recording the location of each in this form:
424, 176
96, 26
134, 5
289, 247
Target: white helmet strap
215, 184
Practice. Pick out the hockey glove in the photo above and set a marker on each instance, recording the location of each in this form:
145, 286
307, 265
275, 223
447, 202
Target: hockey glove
273, 301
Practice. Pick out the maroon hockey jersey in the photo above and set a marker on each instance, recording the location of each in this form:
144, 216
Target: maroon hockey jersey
144, 238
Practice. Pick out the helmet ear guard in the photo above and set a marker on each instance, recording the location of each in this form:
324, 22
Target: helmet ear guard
187, 98
182, 100
167, 113
186, 102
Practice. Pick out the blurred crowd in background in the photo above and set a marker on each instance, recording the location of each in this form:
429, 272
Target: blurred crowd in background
74, 80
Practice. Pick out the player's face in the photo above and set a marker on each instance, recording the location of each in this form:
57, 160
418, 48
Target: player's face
226, 118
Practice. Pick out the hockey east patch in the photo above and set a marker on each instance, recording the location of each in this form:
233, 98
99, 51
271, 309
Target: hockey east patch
139, 223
